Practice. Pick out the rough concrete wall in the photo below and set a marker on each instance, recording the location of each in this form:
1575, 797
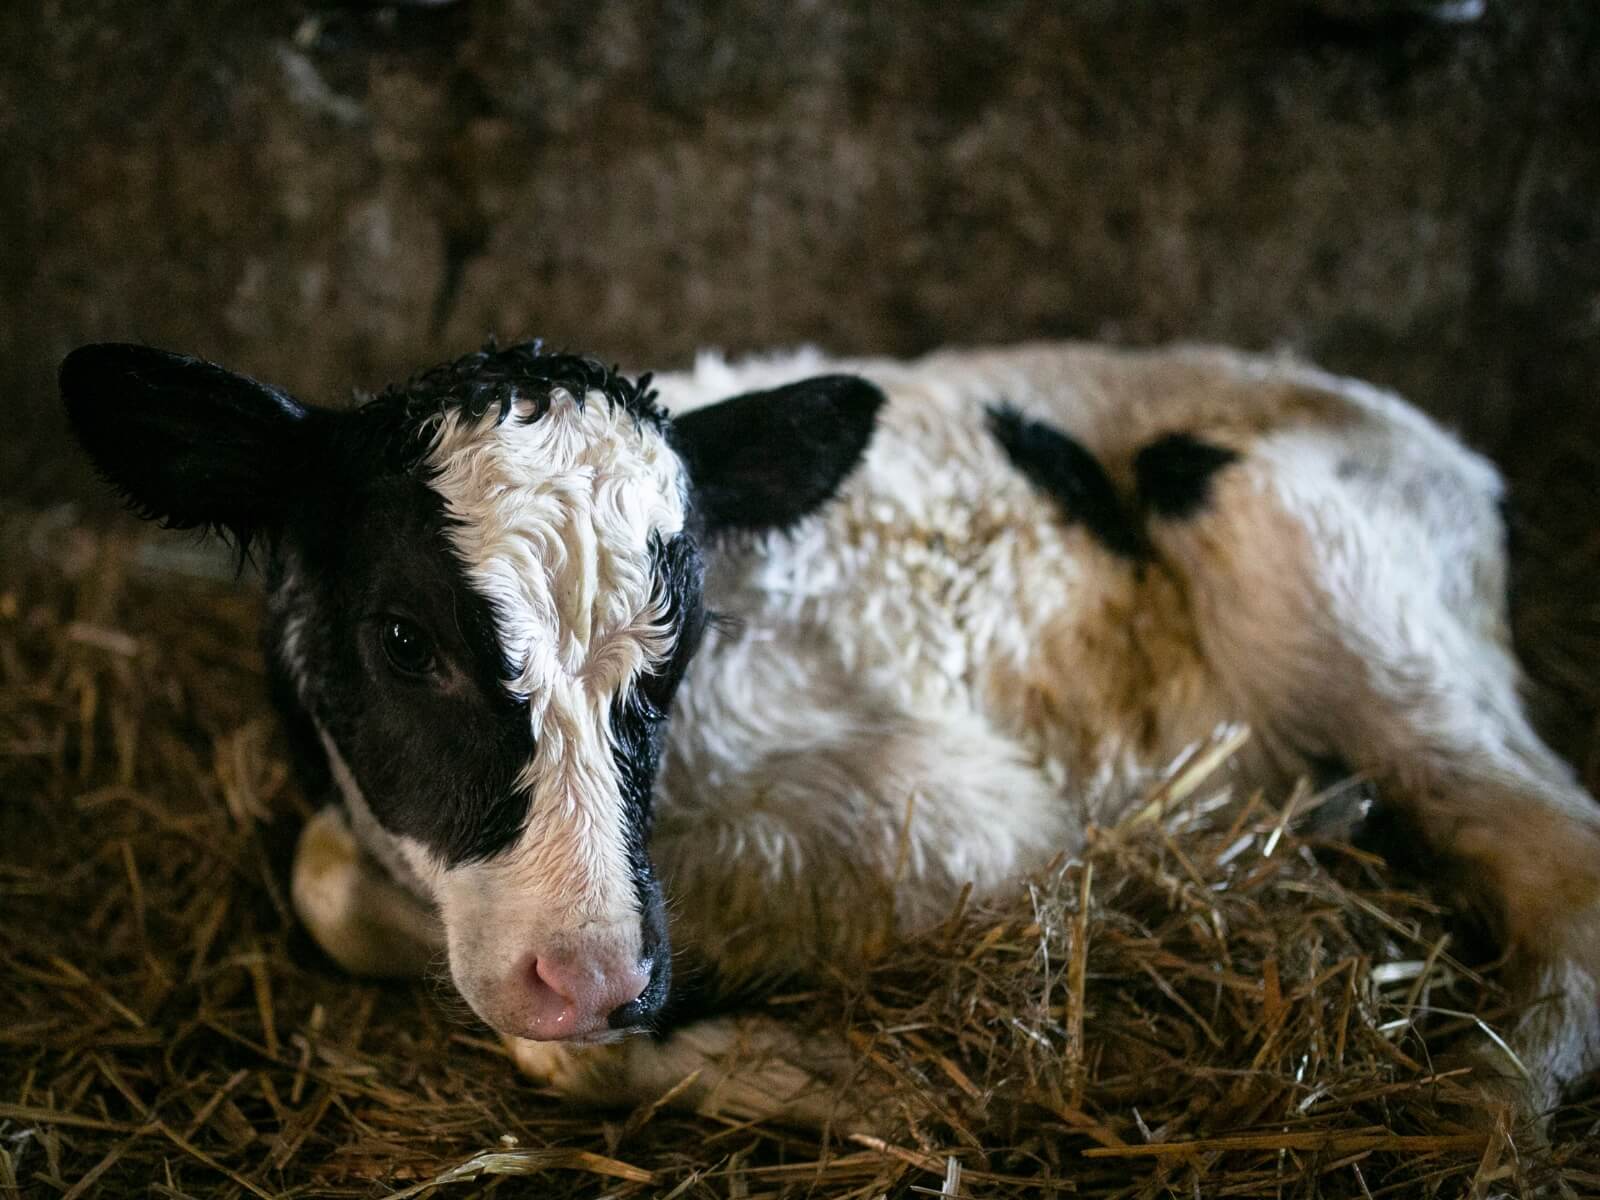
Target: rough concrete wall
328, 196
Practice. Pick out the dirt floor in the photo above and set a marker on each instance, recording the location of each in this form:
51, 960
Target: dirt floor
1222, 1000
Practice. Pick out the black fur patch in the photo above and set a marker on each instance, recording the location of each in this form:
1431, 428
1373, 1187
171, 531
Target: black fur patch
187, 443
764, 460
436, 759
1174, 474
1062, 469
638, 734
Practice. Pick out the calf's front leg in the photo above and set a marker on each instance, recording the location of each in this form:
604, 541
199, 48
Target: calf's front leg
749, 1067
362, 918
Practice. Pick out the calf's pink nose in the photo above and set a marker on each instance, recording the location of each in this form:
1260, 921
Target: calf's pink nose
567, 999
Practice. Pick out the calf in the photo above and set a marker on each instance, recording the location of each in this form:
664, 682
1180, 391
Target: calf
943, 616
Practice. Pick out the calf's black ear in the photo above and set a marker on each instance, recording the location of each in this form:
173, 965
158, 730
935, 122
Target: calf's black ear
187, 443
763, 460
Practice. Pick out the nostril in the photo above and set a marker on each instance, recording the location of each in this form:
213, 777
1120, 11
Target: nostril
548, 981
547, 1001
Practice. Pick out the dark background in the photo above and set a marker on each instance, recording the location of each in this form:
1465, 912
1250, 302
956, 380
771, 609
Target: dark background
333, 195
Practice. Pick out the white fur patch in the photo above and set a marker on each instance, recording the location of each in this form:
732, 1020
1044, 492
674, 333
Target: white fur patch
553, 521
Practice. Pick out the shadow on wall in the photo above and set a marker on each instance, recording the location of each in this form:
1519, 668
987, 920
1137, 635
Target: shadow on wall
330, 195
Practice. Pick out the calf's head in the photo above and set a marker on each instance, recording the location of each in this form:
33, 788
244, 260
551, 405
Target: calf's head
483, 589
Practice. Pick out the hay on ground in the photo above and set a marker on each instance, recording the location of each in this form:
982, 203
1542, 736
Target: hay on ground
1220, 999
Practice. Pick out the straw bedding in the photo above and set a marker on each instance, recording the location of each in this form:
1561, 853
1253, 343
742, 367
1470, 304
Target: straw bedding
1224, 998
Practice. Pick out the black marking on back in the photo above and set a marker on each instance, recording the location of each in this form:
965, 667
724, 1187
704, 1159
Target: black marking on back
1174, 474
1060, 467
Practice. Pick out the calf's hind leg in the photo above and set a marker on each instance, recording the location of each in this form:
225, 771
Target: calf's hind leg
1348, 590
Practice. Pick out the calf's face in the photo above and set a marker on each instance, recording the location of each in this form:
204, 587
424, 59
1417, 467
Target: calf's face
483, 590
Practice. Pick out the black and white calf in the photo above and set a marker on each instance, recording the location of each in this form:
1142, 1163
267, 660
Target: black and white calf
965, 607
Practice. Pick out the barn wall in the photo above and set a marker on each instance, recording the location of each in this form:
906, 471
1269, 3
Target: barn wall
329, 196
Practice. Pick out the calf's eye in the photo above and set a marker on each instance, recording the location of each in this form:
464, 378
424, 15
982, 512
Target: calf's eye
406, 646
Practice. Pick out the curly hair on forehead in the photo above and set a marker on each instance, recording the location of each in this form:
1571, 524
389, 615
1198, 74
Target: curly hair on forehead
493, 379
